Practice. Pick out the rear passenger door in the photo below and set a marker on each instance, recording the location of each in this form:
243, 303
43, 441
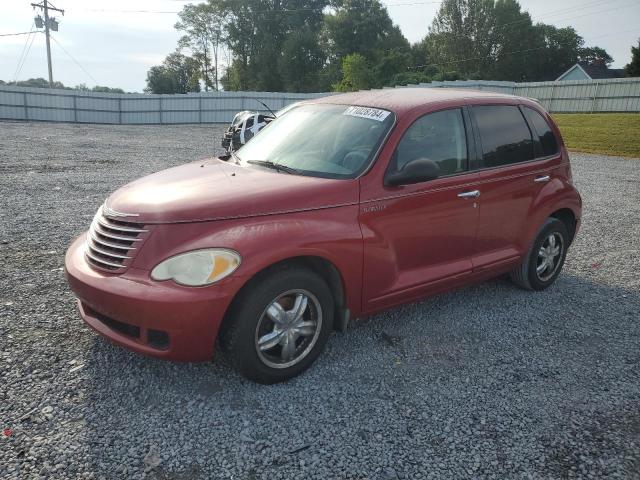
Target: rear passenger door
512, 168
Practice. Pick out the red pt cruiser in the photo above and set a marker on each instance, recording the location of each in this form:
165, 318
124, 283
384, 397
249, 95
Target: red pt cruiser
341, 207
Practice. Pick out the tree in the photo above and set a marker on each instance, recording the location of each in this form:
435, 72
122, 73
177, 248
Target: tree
177, 74
560, 48
102, 89
161, 80
204, 33
515, 43
390, 64
356, 74
462, 36
276, 44
594, 55
242, 20
364, 27
496, 40
301, 61
633, 67
42, 83
38, 83
300, 45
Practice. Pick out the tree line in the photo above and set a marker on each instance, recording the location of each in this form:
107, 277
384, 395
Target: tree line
43, 83
343, 45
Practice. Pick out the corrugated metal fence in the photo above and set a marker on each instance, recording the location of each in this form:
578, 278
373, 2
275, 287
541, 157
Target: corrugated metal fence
58, 105
21, 103
611, 95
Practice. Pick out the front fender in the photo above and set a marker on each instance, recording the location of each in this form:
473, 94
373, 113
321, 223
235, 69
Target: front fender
332, 234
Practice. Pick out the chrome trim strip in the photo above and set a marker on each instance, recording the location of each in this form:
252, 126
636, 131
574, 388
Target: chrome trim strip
98, 260
114, 237
105, 253
104, 222
107, 244
112, 213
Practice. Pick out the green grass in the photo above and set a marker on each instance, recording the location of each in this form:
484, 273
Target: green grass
606, 133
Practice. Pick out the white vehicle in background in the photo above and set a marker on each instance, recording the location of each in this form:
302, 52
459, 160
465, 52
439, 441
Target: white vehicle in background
246, 124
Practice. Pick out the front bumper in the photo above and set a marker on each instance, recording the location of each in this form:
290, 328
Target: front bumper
161, 319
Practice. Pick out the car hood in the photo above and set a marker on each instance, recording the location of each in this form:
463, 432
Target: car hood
214, 190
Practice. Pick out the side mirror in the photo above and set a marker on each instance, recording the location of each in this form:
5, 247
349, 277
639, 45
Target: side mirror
416, 171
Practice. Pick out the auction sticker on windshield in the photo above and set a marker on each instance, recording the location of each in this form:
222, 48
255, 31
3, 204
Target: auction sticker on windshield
367, 112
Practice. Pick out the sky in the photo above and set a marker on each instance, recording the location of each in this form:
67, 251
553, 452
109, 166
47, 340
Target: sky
114, 43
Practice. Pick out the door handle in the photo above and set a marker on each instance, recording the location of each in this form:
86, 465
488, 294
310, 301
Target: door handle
470, 194
544, 178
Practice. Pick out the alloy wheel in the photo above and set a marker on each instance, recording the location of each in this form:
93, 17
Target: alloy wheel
549, 256
288, 329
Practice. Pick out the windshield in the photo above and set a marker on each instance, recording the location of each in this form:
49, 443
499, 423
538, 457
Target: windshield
332, 141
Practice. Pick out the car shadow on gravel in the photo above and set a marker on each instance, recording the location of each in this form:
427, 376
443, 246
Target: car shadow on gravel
547, 381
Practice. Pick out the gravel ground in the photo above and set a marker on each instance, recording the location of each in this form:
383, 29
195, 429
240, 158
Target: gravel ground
485, 382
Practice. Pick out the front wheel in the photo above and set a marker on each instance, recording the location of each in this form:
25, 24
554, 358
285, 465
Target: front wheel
544, 261
279, 325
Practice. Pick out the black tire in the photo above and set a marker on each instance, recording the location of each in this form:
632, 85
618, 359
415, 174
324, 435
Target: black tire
240, 333
526, 275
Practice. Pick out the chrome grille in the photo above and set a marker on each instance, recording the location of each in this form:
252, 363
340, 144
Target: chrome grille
111, 243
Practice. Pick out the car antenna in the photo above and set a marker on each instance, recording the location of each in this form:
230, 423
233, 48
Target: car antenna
266, 106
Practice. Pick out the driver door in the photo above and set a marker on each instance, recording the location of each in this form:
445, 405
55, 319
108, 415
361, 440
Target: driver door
419, 238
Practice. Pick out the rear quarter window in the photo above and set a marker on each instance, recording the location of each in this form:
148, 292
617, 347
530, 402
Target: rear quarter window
504, 134
544, 138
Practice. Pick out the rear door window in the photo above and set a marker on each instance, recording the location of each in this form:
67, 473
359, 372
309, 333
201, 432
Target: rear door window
544, 138
504, 134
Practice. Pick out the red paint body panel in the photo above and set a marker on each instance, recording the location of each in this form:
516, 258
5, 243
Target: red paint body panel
213, 190
414, 237
189, 315
390, 245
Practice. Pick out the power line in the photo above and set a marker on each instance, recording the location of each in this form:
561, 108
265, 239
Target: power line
14, 34
564, 12
283, 10
74, 60
599, 11
555, 13
108, 10
23, 59
526, 50
15, 75
353, 7
552, 13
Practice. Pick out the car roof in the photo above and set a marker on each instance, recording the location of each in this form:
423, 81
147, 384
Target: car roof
402, 100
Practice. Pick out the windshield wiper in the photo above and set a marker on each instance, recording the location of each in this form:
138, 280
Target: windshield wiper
235, 157
274, 166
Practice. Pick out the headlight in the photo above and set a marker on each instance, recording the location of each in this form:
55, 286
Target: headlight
197, 268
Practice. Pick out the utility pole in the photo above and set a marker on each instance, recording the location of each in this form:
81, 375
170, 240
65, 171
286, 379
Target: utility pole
49, 23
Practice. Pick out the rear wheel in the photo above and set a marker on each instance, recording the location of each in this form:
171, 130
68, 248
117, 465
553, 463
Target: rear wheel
544, 261
279, 325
